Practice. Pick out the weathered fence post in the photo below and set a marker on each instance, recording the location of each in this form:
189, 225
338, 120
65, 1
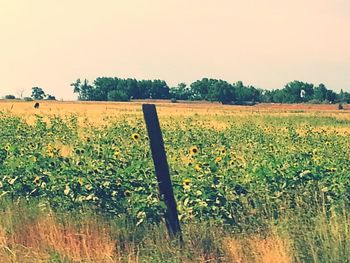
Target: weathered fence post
162, 169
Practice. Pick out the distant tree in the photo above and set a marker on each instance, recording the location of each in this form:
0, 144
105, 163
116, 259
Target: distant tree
9, 97
76, 86
222, 91
181, 92
343, 97
200, 89
212, 90
320, 93
298, 91
331, 96
134, 89
50, 97
118, 89
103, 85
38, 93
279, 96
266, 96
84, 90
244, 94
159, 89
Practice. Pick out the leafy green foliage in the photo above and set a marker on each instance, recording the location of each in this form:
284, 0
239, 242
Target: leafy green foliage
38, 93
9, 97
116, 89
240, 175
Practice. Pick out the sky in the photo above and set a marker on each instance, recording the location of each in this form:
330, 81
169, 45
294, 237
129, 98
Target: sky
264, 43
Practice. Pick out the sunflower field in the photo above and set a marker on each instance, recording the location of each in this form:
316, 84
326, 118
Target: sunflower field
251, 169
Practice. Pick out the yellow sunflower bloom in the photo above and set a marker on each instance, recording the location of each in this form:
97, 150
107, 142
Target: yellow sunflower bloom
222, 151
186, 183
197, 167
7, 147
135, 136
194, 150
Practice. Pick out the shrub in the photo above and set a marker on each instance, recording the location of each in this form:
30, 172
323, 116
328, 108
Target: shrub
9, 97
28, 99
50, 97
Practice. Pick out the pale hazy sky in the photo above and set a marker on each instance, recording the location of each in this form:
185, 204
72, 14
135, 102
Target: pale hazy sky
265, 43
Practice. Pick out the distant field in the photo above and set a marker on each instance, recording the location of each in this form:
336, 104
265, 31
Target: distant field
101, 109
263, 183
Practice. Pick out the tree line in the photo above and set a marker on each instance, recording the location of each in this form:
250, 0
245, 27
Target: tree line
119, 89
37, 94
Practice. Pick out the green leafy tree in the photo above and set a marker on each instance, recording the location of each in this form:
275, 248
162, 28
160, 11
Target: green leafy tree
84, 90
9, 97
245, 94
331, 96
298, 91
222, 91
343, 96
181, 92
200, 89
38, 93
50, 97
279, 96
320, 93
159, 89
117, 89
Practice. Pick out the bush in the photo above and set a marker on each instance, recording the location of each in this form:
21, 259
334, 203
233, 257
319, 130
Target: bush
28, 99
50, 97
9, 97
173, 100
340, 106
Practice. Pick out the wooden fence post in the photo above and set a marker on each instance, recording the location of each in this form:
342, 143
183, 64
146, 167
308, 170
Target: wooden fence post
162, 169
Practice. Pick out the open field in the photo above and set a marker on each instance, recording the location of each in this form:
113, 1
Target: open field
98, 112
164, 107
266, 183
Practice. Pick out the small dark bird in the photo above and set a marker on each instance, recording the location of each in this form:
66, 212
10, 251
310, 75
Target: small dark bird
36, 105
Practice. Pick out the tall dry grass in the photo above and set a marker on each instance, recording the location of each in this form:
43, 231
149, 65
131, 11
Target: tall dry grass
272, 249
30, 234
34, 233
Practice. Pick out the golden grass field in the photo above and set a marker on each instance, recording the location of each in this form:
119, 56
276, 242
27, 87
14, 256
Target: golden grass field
213, 115
97, 111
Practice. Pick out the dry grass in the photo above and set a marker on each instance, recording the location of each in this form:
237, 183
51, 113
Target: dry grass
42, 238
45, 238
271, 249
90, 243
100, 110
209, 115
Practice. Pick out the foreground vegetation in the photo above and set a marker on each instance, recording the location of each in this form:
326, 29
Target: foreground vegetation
35, 233
258, 188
